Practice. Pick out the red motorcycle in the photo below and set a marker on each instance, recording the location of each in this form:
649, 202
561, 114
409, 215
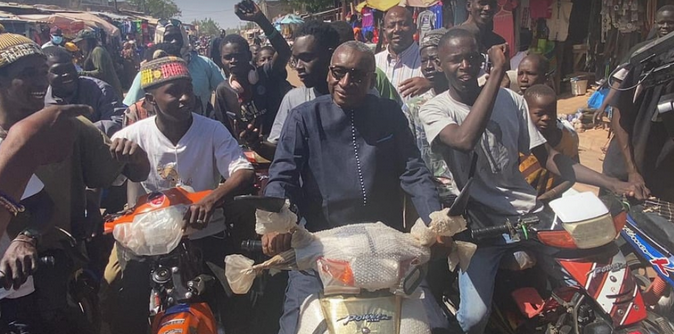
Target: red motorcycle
590, 288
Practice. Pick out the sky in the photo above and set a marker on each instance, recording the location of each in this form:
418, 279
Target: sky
221, 11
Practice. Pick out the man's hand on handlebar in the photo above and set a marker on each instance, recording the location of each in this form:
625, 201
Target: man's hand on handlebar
635, 188
275, 243
200, 213
19, 262
641, 191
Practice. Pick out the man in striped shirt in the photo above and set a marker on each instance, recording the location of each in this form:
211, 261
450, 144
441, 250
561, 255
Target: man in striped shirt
401, 61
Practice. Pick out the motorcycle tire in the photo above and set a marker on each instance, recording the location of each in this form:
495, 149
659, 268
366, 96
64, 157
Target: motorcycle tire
657, 324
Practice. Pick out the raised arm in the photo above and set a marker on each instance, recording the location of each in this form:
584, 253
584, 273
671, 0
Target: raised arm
247, 10
464, 137
44, 137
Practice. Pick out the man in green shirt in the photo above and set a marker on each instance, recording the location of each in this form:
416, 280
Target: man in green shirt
97, 61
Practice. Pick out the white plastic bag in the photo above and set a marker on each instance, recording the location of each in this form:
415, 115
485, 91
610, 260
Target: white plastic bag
153, 233
239, 272
280, 222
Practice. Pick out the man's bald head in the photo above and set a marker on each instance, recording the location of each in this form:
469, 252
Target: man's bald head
361, 50
399, 29
398, 11
351, 74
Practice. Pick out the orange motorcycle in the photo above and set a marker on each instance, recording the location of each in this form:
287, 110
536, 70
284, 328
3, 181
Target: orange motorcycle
153, 231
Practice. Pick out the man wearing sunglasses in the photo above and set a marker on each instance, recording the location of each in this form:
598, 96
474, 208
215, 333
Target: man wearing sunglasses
355, 157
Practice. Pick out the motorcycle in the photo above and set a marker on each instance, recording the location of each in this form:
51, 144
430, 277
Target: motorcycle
590, 288
153, 231
370, 273
648, 235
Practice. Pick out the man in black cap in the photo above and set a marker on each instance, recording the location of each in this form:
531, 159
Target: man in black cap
97, 61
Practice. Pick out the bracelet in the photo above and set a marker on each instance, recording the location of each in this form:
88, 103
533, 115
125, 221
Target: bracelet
10, 205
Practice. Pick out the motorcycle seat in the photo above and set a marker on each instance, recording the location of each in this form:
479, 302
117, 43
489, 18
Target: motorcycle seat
658, 228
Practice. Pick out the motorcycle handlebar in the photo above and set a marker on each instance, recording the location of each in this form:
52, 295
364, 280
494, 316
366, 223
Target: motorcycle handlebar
490, 232
253, 246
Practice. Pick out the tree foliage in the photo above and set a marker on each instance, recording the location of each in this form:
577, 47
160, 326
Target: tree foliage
207, 27
312, 6
163, 9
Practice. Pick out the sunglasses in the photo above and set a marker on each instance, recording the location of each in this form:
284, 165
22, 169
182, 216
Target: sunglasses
356, 76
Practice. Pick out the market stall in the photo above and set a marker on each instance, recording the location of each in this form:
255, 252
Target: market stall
288, 24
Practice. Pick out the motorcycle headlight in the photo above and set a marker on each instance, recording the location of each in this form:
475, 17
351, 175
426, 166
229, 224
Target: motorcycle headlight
592, 232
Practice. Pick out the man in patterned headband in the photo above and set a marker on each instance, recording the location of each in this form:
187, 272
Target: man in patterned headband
185, 149
23, 85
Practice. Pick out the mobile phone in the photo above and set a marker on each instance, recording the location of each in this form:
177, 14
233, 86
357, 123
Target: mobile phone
486, 66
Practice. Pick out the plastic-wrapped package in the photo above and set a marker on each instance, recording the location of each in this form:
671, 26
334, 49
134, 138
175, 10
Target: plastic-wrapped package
365, 256
239, 272
153, 233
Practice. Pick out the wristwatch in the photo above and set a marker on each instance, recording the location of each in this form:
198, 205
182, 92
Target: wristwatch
33, 234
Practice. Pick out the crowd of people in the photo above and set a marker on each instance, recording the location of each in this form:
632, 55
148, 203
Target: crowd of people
368, 137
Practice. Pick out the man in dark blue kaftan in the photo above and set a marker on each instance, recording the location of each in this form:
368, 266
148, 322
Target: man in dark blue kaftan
355, 157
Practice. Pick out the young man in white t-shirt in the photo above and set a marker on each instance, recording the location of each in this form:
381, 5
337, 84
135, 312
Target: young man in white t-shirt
185, 149
494, 123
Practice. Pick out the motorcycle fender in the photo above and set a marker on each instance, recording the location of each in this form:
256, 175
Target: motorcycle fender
312, 319
661, 261
609, 282
185, 319
412, 315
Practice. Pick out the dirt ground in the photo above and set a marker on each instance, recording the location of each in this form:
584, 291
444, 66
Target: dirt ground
591, 141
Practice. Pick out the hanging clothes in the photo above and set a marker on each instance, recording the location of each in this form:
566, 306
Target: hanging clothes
558, 24
540, 9
504, 24
437, 10
367, 17
425, 23
525, 17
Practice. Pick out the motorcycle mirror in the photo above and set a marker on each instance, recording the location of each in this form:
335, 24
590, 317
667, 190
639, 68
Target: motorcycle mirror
460, 204
265, 203
458, 208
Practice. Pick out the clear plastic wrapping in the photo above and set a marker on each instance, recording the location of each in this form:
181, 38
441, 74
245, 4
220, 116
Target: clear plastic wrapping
153, 233
365, 256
